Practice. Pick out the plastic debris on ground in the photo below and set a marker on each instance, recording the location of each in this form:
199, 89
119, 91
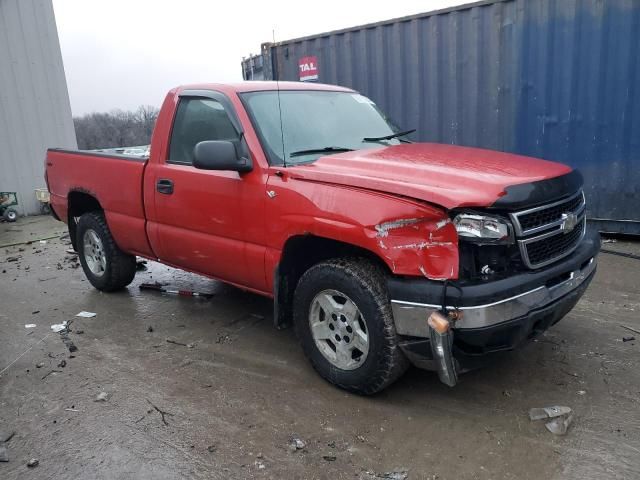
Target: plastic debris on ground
396, 475
158, 287
58, 327
296, 444
559, 425
102, 397
84, 314
30, 325
561, 417
548, 412
4, 455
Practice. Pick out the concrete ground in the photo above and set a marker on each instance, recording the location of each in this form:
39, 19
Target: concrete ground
225, 400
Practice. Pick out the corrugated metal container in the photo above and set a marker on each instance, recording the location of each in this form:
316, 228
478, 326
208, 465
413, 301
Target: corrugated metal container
253, 68
34, 103
555, 79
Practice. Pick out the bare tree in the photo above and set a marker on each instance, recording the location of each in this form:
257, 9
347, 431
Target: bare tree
117, 128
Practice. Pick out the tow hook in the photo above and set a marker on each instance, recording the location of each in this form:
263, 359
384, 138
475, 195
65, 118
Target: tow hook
441, 336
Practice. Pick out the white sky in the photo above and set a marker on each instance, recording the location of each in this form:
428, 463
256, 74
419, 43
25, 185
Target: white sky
125, 53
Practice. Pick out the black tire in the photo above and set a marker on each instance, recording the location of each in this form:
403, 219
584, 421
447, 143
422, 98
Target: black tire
119, 268
45, 208
364, 284
10, 215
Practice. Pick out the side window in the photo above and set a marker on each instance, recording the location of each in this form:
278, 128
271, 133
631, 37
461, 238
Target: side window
197, 120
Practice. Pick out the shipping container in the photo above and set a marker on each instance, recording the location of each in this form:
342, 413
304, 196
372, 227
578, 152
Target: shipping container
554, 79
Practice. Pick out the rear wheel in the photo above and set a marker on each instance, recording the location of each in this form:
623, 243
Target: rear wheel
10, 215
106, 266
344, 322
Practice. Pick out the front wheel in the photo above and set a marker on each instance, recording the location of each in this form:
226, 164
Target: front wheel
106, 266
344, 322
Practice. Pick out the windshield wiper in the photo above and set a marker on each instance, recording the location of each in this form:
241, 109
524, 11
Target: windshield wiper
388, 137
311, 151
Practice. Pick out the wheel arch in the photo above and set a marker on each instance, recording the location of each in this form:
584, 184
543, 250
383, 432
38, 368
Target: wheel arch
300, 252
79, 202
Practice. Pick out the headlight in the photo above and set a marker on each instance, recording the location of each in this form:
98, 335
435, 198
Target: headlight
481, 227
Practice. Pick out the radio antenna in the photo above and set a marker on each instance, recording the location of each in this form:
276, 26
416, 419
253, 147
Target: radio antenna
277, 75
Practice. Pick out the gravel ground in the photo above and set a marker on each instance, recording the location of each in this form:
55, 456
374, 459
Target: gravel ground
226, 396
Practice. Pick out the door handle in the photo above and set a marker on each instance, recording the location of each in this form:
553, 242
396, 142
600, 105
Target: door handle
164, 186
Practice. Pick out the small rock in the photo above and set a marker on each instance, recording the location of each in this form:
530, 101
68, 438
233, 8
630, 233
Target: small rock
149, 329
329, 458
62, 364
259, 455
79, 332
35, 311
191, 345
34, 462
4, 456
40, 365
260, 465
212, 448
581, 392
13, 259
102, 397
296, 444
628, 339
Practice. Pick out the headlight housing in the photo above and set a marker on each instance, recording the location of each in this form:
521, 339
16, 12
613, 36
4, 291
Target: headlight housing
482, 228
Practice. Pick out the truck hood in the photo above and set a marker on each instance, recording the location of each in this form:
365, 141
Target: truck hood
445, 175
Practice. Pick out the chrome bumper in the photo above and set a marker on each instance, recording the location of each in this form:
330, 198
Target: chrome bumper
411, 318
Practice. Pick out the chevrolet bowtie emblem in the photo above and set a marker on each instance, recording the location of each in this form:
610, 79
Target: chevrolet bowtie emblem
569, 222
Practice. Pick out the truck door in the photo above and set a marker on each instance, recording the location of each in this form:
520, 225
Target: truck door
210, 222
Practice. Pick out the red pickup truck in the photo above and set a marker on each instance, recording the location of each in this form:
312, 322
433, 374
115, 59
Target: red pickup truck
380, 251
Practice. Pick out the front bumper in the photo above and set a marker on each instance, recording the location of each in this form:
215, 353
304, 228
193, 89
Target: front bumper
495, 316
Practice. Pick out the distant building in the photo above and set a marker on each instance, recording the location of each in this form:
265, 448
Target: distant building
35, 113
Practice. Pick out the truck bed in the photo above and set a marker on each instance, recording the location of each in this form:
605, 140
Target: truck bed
114, 180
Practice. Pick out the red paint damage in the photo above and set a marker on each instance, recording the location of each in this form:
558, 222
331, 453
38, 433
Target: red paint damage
421, 246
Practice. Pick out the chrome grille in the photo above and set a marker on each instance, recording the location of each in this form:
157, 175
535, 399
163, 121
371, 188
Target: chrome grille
539, 218
550, 232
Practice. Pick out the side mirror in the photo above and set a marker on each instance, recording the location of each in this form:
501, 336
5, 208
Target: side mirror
219, 155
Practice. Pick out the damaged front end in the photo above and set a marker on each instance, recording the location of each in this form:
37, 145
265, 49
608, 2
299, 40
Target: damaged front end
494, 300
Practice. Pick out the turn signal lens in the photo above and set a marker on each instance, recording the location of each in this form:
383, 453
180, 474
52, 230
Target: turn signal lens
438, 322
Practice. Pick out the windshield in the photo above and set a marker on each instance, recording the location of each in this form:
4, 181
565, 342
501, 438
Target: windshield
315, 123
